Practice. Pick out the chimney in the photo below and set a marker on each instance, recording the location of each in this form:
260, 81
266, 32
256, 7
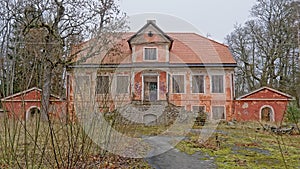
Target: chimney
151, 21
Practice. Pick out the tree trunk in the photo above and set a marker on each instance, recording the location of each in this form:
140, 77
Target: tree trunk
46, 91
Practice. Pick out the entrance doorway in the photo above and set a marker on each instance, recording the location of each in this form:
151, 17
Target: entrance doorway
150, 88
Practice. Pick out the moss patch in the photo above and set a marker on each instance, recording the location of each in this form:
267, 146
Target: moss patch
244, 147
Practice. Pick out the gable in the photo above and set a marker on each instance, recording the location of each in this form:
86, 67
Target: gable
266, 93
33, 94
150, 33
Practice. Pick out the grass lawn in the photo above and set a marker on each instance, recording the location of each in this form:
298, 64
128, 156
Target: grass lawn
59, 145
243, 146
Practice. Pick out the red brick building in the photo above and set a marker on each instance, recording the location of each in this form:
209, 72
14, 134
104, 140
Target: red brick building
26, 104
264, 104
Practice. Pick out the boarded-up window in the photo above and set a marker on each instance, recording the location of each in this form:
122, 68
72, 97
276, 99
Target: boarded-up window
102, 86
178, 83
122, 84
150, 53
198, 84
217, 83
218, 112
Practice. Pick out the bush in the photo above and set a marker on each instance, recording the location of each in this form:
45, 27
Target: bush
293, 113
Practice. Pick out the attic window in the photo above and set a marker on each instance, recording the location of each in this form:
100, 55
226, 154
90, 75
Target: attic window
150, 54
150, 34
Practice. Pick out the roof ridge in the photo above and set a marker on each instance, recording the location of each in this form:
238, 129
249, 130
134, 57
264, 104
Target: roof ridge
21, 92
264, 87
26, 91
212, 40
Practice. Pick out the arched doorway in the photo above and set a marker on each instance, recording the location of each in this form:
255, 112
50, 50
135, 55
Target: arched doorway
33, 113
267, 114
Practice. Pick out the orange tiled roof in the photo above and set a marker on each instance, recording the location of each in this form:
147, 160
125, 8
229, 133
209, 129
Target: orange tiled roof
186, 48
193, 48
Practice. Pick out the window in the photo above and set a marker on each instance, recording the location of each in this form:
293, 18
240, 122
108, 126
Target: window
150, 54
122, 84
218, 112
201, 115
102, 86
198, 84
82, 85
217, 84
178, 83
198, 109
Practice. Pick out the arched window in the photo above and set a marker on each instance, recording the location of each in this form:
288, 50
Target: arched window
267, 114
33, 113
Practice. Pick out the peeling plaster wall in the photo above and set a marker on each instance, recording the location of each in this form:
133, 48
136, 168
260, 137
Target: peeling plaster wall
249, 110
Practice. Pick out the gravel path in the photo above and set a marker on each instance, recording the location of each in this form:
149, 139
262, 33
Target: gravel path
174, 159
168, 157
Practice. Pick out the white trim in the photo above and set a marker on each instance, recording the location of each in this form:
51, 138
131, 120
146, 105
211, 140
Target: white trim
211, 82
133, 55
167, 83
142, 88
184, 82
26, 91
31, 100
158, 87
28, 110
132, 76
157, 81
266, 99
191, 82
167, 54
231, 86
265, 87
272, 115
144, 54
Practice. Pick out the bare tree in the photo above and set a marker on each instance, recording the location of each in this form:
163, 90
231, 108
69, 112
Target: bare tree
38, 36
266, 47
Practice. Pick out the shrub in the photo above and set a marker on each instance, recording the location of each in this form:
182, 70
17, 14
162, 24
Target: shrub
293, 113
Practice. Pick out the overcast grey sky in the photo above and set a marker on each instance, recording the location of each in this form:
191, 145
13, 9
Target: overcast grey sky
206, 17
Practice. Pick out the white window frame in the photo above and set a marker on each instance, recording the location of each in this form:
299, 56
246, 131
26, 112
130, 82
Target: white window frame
211, 117
144, 53
191, 82
211, 83
128, 85
184, 83
198, 106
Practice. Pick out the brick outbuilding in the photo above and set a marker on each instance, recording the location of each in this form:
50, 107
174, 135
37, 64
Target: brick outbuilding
264, 104
26, 104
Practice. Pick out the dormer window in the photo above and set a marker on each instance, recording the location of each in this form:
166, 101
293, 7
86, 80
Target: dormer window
150, 53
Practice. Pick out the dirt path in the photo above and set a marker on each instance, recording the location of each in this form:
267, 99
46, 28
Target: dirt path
173, 158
